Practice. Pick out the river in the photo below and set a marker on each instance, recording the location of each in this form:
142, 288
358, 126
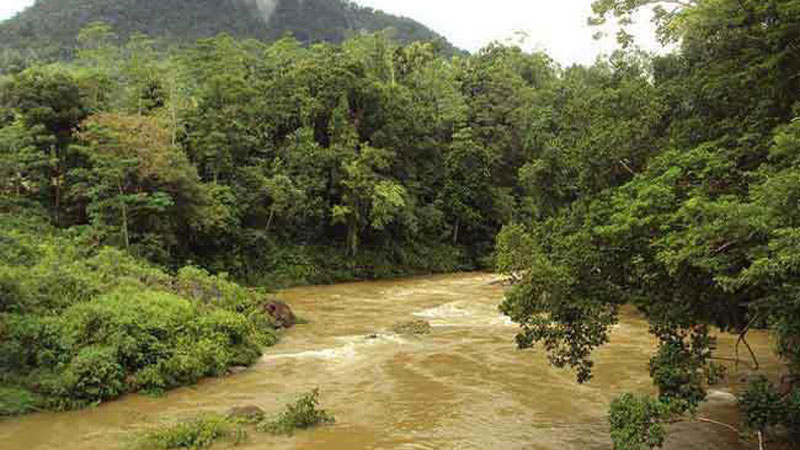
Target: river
464, 386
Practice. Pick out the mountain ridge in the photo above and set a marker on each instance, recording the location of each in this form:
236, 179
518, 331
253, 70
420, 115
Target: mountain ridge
51, 26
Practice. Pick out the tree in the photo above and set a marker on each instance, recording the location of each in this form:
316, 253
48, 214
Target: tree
669, 16
137, 176
467, 179
50, 107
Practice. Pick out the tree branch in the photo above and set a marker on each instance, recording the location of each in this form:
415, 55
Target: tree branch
730, 427
743, 338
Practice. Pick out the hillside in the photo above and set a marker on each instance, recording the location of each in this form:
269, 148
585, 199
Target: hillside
51, 26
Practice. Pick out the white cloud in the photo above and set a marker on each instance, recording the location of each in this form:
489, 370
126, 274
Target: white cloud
557, 26
10, 7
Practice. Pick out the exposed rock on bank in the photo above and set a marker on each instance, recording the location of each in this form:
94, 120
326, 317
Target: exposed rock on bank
249, 413
280, 313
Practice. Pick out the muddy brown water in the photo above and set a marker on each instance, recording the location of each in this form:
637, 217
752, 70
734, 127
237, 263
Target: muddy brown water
464, 386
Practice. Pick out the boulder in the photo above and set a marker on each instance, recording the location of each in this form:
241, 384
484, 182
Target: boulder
249, 413
721, 397
280, 313
412, 327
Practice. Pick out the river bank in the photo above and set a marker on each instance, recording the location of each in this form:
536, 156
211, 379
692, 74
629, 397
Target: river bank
464, 386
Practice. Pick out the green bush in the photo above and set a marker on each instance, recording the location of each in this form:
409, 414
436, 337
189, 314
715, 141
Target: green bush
637, 422
197, 284
203, 431
761, 405
15, 401
678, 372
95, 375
197, 433
28, 342
302, 414
80, 327
715, 373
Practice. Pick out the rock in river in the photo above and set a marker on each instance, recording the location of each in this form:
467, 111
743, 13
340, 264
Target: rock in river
249, 413
412, 327
280, 313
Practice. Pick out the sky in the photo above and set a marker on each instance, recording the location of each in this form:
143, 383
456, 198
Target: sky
556, 26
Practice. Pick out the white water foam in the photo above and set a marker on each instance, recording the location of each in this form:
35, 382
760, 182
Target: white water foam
462, 314
347, 352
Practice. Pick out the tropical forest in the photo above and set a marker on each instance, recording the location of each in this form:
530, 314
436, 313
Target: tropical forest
312, 224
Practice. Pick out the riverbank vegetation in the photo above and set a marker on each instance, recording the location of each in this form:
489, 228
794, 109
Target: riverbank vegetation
667, 182
80, 326
203, 431
696, 224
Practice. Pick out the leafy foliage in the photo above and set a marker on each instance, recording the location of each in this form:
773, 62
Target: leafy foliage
761, 405
205, 430
637, 423
669, 183
198, 433
53, 28
695, 225
81, 326
303, 413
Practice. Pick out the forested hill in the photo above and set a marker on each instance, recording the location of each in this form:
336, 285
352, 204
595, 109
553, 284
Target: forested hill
51, 26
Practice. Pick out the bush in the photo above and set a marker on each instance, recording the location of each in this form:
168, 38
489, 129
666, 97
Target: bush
28, 342
301, 414
81, 325
715, 373
15, 401
95, 375
203, 431
197, 284
197, 433
761, 405
163, 340
677, 369
637, 422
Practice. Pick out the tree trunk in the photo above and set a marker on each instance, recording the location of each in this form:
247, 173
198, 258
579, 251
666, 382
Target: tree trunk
125, 236
271, 216
352, 236
57, 186
455, 231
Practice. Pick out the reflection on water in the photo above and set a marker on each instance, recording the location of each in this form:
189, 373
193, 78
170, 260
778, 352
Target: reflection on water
464, 386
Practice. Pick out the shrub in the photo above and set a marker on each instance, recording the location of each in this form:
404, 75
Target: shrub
197, 433
112, 267
28, 342
301, 414
760, 405
677, 370
238, 334
792, 414
15, 401
637, 422
94, 375
715, 373
197, 284
79, 327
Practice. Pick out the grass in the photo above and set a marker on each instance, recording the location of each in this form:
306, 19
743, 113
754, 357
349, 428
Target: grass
203, 431
14, 401
302, 414
197, 433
